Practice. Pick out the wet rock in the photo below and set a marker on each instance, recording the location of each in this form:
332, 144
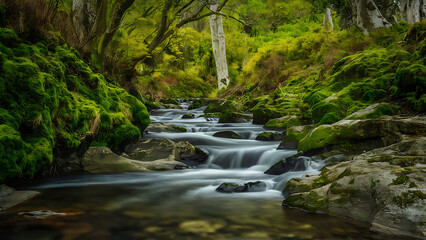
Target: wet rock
283, 122
384, 187
227, 134
234, 117
188, 116
263, 115
165, 127
362, 135
292, 163
102, 160
257, 186
293, 135
9, 197
269, 136
155, 149
372, 111
196, 104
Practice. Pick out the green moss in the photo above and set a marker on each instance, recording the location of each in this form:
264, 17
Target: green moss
401, 178
52, 99
412, 78
196, 104
373, 95
169, 101
381, 110
12, 154
409, 198
264, 114
352, 181
311, 202
284, 122
330, 118
319, 110
314, 97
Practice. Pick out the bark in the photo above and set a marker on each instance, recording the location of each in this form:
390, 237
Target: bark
413, 10
83, 18
369, 16
327, 15
219, 47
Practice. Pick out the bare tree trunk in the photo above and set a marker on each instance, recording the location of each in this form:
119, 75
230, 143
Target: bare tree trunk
327, 14
219, 47
369, 16
413, 10
83, 16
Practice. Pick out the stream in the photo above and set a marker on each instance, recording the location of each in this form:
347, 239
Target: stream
180, 204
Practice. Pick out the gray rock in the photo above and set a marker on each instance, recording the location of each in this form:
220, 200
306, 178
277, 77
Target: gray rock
165, 127
384, 187
269, 136
257, 186
10, 197
292, 163
227, 134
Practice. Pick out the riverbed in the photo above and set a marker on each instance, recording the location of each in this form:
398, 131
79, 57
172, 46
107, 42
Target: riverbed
180, 204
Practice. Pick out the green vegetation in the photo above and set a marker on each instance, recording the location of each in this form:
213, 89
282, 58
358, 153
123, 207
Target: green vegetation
52, 101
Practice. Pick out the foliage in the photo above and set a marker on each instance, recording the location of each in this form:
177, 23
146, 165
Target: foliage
51, 100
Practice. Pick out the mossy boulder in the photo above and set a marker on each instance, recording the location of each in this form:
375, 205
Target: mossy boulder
264, 114
368, 133
383, 187
221, 106
188, 116
169, 101
196, 104
234, 117
373, 111
326, 112
283, 122
269, 136
103, 160
165, 127
293, 135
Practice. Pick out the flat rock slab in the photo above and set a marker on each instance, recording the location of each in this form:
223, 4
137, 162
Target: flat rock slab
10, 197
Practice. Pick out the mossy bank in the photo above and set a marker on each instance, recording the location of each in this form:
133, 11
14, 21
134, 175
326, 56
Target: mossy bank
53, 105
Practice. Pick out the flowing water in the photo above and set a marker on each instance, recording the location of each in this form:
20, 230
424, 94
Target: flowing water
181, 204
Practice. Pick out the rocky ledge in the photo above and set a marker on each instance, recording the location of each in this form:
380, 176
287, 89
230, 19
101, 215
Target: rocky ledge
9, 197
380, 179
147, 155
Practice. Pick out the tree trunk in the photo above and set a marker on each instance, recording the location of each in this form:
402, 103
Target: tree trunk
327, 14
413, 10
369, 16
83, 16
219, 47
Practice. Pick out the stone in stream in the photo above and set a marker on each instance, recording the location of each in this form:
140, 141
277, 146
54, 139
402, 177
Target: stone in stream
269, 136
227, 134
165, 127
292, 163
147, 155
257, 186
188, 116
9, 197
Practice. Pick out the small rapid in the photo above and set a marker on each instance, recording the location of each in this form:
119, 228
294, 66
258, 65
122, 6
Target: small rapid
240, 160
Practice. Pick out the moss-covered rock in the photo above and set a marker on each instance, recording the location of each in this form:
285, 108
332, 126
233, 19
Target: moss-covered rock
346, 133
188, 116
221, 106
196, 104
377, 187
264, 114
55, 104
269, 136
234, 117
320, 109
373, 111
283, 122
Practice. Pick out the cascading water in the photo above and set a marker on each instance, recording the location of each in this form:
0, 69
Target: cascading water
180, 204
241, 160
